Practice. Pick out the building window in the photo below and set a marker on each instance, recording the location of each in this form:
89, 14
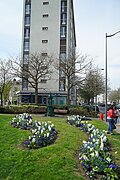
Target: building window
44, 41
28, 1
63, 18
27, 9
26, 45
63, 31
62, 74
63, 56
27, 33
25, 59
45, 3
63, 48
45, 15
64, 6
27, 20
62, 85
44, 54
25, 84
44, 28
43, 81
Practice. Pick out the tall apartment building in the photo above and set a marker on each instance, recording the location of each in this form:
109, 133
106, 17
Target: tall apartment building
48, 28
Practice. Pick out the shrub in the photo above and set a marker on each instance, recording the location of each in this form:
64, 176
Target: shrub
21, 109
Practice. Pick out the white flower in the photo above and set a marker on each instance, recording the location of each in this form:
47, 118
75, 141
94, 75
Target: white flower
91, 149
116, 152
108, 159
102, 146
84, 142
30, 121
96, 153
39, 128
41, 131
104, 139
85, 157
48, 134
49, 128
33, 140
92, 154
95, 168
89, 125
52, 125
39, 123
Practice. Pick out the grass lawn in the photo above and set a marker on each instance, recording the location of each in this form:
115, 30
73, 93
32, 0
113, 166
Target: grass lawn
54, 162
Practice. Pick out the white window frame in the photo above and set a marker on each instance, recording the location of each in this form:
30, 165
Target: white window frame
27, 33
26, 45
63, 31
27, 21
64, 18
27, 9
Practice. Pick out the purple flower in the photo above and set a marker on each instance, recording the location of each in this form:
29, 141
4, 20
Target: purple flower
113, 166
26, 142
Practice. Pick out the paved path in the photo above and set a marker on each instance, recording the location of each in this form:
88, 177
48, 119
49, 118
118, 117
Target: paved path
118, 128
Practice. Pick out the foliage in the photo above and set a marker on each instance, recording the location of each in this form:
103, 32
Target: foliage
43, 133
94, 154
7, 88
114, 95
25, 108
93, 84
34, 109
5, 77
82, 111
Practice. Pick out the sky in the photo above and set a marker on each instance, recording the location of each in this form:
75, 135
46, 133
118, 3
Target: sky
93, 18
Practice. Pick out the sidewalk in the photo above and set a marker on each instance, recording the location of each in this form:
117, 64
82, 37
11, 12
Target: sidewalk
118, 128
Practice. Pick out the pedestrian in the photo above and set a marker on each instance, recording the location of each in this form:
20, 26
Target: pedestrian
111, 119
116, 114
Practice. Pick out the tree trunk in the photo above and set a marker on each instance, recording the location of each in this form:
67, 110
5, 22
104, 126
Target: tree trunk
1, 99
68, 93
68, 98
36, 94
36, 97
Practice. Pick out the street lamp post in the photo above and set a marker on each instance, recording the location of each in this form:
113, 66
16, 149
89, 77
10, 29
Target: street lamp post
107, 36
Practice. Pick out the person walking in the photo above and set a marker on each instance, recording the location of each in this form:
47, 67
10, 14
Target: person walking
116, 114
111, 119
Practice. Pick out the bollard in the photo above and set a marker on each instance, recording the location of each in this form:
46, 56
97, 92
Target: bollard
101, 116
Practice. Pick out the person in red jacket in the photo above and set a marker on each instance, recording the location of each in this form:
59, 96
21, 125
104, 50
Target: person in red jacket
111, 119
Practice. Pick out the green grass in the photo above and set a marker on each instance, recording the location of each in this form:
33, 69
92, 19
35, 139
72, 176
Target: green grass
54, 162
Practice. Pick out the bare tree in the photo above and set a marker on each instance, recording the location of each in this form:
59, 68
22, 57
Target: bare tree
71, 70
38, 66
5, 77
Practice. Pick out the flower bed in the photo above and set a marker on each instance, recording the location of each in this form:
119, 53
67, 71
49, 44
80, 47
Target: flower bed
43, 133
94, 155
